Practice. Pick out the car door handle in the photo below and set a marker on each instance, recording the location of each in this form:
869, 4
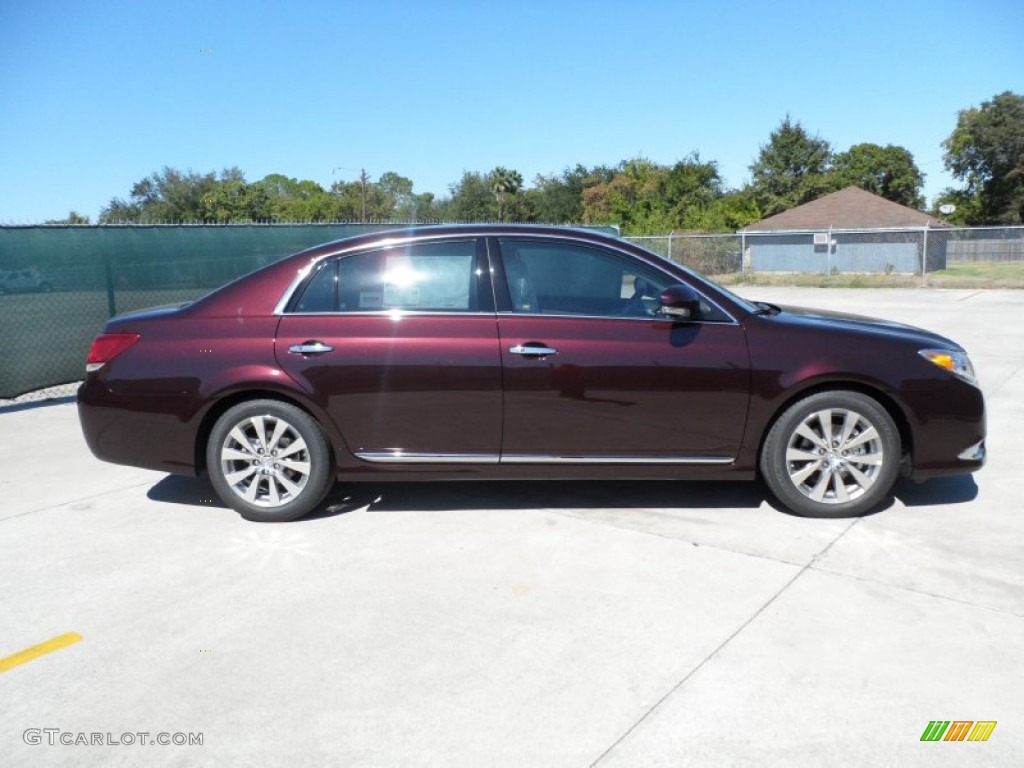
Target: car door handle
532, 349
310, 348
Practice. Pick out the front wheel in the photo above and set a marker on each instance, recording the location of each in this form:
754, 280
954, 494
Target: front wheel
832, 454
269, 461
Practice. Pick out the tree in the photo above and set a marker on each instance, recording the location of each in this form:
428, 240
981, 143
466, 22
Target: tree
293, 200
472, 199
966, 207
791, 169
120, 211
689, 189
730, 212
169, 195
73, 217
646, 198
403, 204
631, 199
232, 200
503, 183
358, 201
986, 151
559, 199
887, 171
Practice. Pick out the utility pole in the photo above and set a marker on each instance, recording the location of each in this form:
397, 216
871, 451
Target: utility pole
363, 178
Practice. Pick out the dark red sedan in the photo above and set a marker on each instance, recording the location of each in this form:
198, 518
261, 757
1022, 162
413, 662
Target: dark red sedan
487, 351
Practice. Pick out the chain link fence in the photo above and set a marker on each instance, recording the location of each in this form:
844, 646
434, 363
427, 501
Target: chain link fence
708, 255
920, 255
979, 244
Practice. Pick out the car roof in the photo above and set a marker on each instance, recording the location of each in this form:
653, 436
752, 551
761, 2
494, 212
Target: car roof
386, 236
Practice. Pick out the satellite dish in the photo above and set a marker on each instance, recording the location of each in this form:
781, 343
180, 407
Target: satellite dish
946, 208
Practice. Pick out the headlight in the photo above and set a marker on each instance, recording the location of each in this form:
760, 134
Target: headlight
954, 361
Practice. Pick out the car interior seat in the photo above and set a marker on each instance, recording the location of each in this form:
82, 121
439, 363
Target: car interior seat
524, 298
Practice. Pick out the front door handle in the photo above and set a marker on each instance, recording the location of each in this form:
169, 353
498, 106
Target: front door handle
532, 349
311, 347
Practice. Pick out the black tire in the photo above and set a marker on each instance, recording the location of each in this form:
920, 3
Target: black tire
281, 471
846, 475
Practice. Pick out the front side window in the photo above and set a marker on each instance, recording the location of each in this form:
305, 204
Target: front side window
566, 279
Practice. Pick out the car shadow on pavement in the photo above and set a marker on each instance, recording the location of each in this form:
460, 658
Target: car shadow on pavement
506, 495
958, 489
447, 496
13, 406
444, 496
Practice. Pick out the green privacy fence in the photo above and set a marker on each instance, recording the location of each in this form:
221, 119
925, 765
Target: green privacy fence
58, 285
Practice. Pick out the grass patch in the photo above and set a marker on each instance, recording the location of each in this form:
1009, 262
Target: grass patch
811, 280
980, 274
975, 274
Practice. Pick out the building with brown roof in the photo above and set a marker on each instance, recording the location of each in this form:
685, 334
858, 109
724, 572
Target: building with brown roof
850, 208
847, 231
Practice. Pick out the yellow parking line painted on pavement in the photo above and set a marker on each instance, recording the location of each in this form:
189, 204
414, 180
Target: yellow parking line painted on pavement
68, 638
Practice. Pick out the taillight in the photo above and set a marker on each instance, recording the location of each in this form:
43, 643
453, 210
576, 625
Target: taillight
106, 347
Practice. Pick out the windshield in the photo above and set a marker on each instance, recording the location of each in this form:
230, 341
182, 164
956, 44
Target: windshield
745, 303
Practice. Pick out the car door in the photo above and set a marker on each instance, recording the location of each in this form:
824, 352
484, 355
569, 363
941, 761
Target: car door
593, 374
399, 346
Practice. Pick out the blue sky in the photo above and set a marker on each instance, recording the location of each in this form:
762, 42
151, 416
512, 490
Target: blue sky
97, 95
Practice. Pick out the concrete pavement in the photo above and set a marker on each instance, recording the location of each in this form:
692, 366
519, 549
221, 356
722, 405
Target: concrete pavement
520, 624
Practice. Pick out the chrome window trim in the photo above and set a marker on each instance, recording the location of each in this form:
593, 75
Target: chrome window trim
287, 295
412, 457
571, 234
393, 314
622, 254
665, 319
534, 458
416, 457
378, 245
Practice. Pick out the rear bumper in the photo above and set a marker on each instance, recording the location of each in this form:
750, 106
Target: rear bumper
134, 436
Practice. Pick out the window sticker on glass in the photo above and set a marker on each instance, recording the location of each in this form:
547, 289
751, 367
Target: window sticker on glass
371, 300
427, 282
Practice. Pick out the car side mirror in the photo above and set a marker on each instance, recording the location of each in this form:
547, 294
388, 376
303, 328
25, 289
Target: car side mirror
680, 302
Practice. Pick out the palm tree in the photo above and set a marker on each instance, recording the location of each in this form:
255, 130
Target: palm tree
504, 182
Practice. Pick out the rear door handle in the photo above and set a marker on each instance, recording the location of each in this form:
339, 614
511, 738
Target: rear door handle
532, 349
311, 347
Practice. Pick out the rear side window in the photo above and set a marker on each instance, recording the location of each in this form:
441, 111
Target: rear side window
429, 277
320, 294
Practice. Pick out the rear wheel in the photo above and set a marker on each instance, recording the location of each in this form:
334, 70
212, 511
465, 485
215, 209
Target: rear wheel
269, 461
832, 454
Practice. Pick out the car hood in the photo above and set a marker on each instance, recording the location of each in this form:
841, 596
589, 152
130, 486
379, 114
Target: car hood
824, 318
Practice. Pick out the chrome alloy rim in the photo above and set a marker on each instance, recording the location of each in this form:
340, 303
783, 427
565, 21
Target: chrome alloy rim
265, 461
834, 456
